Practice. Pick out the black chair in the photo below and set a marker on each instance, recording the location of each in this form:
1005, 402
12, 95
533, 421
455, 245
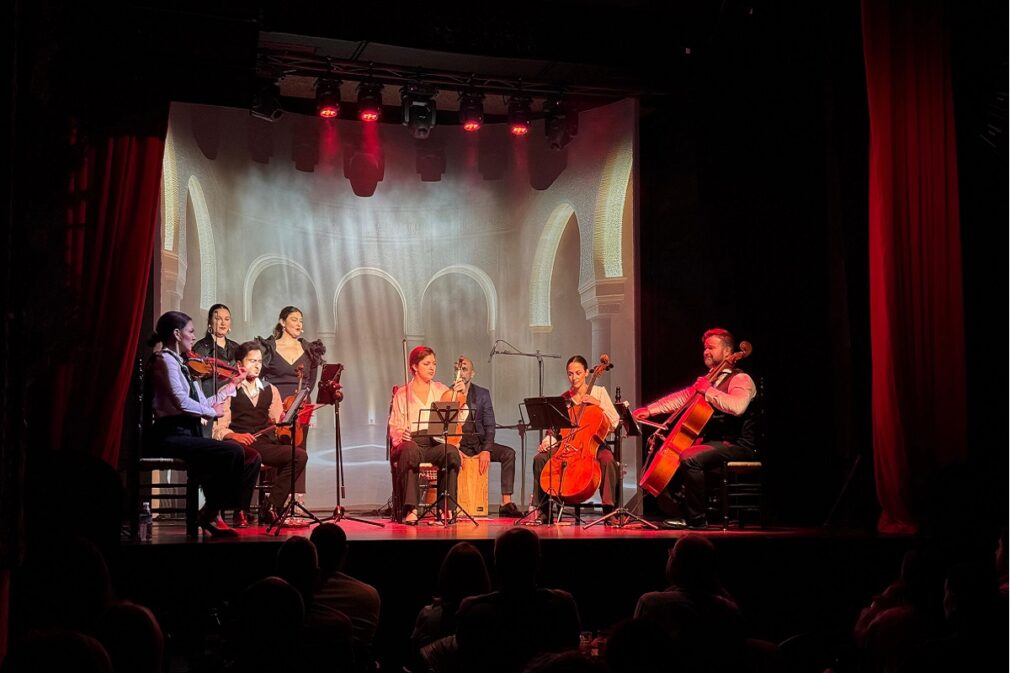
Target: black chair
168, 491
742, 492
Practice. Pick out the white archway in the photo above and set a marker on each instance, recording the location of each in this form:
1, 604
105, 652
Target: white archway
482, 279
261, 264
608, 218
543, 264
370, 271
205, 240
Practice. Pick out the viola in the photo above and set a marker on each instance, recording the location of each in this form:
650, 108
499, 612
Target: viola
284, 433
573, 474
205, 366
689, 421
456, 431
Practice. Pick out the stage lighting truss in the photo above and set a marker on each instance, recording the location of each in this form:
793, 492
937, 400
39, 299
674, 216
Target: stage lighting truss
419, 111
266, 103
369, 101
561, 122
519, 114
471, 111
328, 98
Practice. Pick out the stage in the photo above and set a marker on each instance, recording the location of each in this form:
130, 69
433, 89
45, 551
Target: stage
786, 580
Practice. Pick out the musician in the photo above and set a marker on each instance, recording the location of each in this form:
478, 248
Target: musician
254, 409
578, 393
178, 404
478, 437
411, 446
286, 350
288, 355
216, 344
729, 435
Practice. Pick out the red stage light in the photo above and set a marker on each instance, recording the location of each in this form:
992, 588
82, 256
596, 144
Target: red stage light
520, 129
329, 111
471, 126
368, 116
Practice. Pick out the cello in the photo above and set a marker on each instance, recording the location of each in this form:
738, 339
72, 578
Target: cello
573, 474
690, 421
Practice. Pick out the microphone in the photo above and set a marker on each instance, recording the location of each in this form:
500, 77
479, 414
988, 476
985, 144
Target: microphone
617, 394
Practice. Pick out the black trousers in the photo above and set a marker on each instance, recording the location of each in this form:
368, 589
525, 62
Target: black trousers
278, 456
221, 467
408, 458
690, 476
506, 456
608, 474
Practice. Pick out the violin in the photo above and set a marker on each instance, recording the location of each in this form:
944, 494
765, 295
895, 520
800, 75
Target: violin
689, 423
573, 474
205, 366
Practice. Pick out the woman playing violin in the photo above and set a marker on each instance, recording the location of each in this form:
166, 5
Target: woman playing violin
217, 346
179, 404
411, 446
579, 393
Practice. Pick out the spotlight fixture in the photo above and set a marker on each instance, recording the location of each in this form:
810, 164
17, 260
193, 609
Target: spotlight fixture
471, 111
419, 111
328, 98
266, 104
519, 115
369, 101
561, 122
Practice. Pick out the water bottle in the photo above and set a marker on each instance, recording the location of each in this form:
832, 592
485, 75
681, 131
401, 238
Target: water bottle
146, 522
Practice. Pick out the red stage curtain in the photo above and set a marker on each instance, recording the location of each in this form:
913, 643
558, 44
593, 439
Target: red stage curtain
916, 302
110, 232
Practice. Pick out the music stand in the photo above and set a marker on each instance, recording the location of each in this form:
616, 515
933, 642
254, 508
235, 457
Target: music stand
289, 419
330, 394
447, 415
629, 427
547, 413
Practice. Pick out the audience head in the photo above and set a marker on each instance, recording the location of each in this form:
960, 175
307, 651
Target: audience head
692, 564
132, 637
517, 559
267, 606
331, 546
463, 573
298, 563
66, 585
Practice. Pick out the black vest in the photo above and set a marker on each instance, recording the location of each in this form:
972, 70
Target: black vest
248, 418
741, 430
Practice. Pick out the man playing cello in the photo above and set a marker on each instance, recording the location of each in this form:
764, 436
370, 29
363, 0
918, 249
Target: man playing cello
730, 434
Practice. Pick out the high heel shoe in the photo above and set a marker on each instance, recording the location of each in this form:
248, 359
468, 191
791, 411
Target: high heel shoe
239, 519
208, 520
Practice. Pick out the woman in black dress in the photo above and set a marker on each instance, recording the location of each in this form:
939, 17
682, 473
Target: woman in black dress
286, 354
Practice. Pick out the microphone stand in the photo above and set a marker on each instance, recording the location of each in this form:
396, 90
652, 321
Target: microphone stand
540, 364
328, 393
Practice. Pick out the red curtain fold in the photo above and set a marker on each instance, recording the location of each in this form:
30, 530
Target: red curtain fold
916, 301
111, 227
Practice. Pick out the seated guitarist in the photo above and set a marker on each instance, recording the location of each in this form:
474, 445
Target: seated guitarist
730, 433
248, 420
